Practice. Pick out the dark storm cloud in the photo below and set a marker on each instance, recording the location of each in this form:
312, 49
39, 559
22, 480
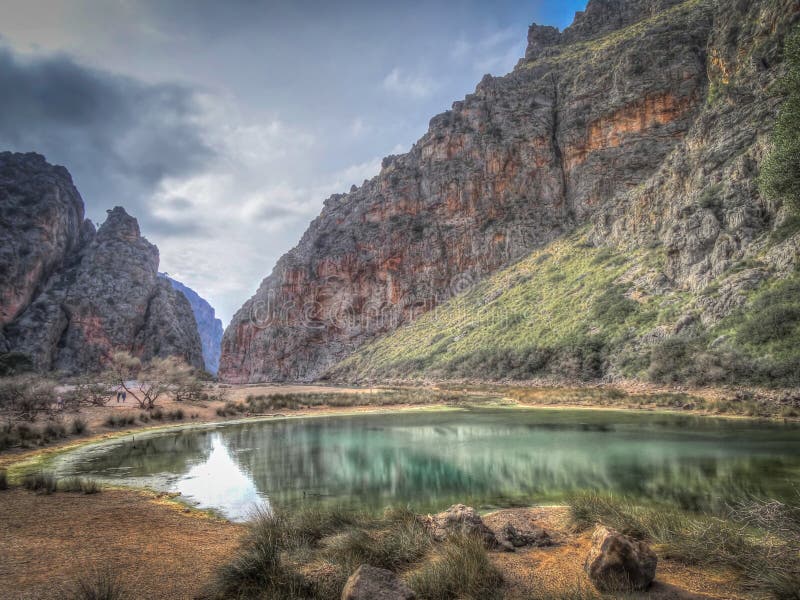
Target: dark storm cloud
119, 137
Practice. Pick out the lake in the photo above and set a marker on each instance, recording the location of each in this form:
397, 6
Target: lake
430, 459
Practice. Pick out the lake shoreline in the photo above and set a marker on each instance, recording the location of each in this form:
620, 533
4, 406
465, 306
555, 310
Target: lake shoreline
17, 462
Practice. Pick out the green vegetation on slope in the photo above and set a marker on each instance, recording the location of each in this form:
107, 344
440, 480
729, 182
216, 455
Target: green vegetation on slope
780, 173
579, 312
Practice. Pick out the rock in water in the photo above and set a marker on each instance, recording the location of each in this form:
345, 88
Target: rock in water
77, 296
617, 563
372, 583
460, 519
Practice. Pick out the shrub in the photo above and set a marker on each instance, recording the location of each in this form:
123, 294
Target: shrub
79, 426
40, 482
53, 431
176, 415
26, 396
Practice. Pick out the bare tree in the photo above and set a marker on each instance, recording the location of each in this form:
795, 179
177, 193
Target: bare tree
146, 383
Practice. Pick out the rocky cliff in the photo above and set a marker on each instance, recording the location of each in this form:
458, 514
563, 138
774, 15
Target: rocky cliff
72, 296
644, 121
209, 327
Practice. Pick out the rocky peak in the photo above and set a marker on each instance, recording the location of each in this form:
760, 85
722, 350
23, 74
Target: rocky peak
604, 16
541, 37
70, 296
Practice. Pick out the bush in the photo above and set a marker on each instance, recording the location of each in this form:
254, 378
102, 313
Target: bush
54, 431
176, 415
43, 483
26, 396
79, 426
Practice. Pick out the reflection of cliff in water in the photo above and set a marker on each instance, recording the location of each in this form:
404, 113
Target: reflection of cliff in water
428, 460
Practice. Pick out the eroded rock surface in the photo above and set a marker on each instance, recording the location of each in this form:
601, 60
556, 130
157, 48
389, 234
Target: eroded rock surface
646, 119
78, 296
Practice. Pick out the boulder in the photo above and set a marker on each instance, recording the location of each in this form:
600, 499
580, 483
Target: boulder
617, 563
372, 583
460, 519
519, 538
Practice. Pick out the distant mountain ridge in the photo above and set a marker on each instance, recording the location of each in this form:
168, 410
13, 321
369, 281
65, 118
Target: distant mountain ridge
640, 129
71, 296
209, 327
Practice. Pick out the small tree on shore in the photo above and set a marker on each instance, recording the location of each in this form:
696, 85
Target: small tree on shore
147, 383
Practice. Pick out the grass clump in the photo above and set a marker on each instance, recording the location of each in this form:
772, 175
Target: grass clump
120, 420
460, 569
104, 585
79, 485
40, 482
758, 539
310, 554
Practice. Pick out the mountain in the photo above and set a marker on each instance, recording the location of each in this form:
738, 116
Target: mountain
632, 137
208, 325
71, 296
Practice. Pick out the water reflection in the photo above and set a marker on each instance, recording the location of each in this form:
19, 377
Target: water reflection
427, 460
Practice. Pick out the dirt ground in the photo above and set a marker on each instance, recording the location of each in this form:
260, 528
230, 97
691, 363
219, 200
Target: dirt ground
157, 550
559, 567
160, 551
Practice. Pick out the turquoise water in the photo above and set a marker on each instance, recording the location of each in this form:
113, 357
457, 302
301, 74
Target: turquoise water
428, 460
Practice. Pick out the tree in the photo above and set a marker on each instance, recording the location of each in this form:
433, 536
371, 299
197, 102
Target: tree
146, 383
780, 172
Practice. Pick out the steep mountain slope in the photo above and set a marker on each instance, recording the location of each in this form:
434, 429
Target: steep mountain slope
644, 121
84, 295
209, 327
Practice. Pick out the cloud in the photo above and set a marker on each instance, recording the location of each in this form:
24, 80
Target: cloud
408, 84
118, 136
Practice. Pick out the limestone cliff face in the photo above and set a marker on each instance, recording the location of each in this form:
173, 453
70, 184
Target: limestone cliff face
209, 327
617, 121
85, 294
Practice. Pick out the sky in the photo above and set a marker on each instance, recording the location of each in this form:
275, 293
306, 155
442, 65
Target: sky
223, 125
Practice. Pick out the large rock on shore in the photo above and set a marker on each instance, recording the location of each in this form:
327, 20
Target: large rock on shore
372, 583
617, 563
461, 520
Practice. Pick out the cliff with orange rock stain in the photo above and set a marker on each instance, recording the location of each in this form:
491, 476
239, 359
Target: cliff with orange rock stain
571, 137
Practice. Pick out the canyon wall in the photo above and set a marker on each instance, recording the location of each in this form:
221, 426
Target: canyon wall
619, 123
71, 297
